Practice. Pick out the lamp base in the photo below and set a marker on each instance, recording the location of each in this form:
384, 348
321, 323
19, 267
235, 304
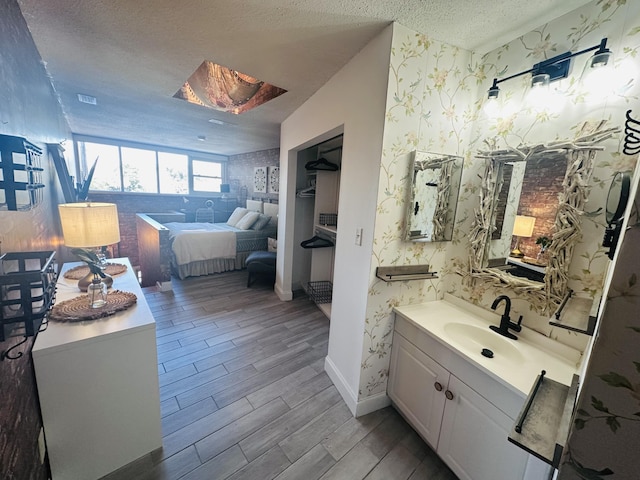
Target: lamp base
84, 282
516, 253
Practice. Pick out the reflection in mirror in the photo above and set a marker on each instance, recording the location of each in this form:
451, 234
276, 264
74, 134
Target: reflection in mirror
574, 160
433, 198
502, 200
530, 190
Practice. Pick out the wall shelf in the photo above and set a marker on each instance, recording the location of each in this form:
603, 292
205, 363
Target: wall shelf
577, 314
545, 419
406, 272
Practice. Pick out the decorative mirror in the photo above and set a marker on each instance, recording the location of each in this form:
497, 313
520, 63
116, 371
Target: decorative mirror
547, 285
617, 200
433, 197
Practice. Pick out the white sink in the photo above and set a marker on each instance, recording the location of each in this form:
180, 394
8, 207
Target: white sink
464, 329
475, 339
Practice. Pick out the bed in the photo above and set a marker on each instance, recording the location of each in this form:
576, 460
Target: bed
194, 249
206, 248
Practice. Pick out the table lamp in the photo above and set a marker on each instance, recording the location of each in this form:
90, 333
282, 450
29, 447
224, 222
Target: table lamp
89, 225
522, 227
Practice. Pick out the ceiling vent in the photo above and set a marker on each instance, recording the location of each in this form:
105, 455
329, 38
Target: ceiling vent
82, 98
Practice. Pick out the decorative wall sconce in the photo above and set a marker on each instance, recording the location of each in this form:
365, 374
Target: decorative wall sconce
556, 68
20, 174
27, 293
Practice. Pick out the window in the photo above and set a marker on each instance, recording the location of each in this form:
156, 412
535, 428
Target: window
127, 167
173, 169
107, 173
207, 176
139, 172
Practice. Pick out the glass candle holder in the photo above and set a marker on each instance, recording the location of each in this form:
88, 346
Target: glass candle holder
97, 293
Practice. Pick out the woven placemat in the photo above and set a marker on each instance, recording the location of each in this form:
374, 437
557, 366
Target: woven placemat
81, 271
77, 309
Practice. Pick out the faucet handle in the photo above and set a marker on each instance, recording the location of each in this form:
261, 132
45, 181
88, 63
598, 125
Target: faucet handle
517, 326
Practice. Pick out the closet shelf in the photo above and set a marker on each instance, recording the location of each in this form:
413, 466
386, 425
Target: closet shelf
328, 230
406, 272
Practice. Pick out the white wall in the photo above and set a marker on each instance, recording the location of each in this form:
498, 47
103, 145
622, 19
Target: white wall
353, 102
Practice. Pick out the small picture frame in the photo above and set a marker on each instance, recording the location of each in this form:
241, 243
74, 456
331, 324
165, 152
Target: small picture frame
260, 179
274, 179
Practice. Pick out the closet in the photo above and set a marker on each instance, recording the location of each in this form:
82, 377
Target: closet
318, 197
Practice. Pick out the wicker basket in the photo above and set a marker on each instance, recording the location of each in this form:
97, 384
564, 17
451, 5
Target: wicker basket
320, 292
328, 219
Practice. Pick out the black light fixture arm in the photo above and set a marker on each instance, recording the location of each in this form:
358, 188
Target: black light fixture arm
556, 67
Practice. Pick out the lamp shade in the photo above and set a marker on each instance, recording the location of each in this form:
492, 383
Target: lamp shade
88, 224
523, 226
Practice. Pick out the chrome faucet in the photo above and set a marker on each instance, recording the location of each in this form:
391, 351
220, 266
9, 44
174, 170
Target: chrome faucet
505, 321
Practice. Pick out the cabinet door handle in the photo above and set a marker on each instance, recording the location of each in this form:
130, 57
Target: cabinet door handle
448, 394
438, 386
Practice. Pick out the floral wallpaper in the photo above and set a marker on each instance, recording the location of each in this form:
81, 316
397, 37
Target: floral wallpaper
603, 443
430, 108
435, 103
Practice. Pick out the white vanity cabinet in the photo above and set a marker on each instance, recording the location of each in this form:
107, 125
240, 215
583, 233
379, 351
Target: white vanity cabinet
463, 413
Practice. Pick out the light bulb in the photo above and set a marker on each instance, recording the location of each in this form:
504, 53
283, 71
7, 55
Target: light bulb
491, 108
541, 98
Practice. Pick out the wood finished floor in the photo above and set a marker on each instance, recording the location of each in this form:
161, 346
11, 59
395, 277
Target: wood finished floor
244, 395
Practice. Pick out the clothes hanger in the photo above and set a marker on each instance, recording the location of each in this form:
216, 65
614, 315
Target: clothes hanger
317, 242
321, 164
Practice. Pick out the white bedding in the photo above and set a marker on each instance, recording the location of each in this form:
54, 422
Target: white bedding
199, 244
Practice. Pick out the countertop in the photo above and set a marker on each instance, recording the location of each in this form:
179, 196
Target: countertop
537, 351
60, 335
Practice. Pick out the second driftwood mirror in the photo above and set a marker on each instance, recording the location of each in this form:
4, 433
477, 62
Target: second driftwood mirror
433, 196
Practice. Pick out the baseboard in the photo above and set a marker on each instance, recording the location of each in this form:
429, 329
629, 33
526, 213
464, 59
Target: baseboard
372, 403
340, 383
358, 407
285, 296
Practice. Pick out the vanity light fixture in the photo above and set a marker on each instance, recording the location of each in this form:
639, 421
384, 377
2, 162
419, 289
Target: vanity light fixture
556, 67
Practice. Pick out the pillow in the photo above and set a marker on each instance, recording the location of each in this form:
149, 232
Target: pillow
270, 209
236, 216
255, 205
262, 221
248, 220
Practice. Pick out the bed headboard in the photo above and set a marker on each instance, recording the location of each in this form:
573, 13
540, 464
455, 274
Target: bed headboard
271, 209
255, 205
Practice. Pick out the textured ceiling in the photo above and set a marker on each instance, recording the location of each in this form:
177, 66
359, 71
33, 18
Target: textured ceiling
134, 55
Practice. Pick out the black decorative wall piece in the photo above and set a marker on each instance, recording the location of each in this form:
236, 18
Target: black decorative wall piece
20, 174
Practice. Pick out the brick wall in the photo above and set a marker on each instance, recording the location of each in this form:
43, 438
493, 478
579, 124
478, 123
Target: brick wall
539, 198
19, 416
29, 109
130, 203
240, 169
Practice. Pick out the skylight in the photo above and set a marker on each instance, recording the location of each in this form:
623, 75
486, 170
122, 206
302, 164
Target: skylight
224, 89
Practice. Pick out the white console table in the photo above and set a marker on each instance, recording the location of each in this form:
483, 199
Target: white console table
98, 386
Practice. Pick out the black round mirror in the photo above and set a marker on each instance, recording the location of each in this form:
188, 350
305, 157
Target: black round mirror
618, 197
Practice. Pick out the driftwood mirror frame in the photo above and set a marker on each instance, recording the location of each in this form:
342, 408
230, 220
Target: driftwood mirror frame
579, 155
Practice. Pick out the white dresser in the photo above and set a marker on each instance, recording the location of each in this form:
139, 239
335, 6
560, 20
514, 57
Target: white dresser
98, 386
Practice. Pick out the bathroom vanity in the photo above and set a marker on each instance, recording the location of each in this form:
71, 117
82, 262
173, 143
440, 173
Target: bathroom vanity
462, 402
